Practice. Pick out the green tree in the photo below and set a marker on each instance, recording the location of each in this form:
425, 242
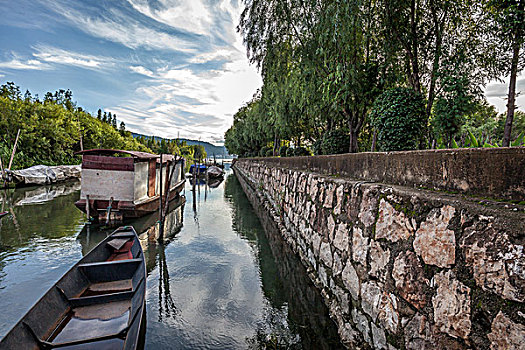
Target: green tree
399, 117
509, 29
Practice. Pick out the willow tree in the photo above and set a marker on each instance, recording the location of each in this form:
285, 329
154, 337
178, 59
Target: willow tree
508, 27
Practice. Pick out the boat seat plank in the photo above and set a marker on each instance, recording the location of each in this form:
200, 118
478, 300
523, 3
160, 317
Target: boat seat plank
102, 263
124, 234
110, 287
117, 243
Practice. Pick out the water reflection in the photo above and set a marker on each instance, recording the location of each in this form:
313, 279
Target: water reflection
305, 322
37, 245
217, 281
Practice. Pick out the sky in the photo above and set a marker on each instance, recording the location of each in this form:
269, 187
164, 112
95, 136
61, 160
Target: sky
167, 67
170, 68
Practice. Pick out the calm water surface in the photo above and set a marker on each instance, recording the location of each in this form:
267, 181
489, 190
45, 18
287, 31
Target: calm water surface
217, 281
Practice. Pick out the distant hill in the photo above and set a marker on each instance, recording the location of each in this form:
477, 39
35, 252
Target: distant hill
210, 148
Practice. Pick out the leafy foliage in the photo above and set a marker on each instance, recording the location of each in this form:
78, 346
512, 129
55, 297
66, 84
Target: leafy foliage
334, 142
323, 63
398, 115
51, 130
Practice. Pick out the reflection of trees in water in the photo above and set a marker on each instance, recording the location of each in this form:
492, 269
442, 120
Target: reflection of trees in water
167, 308
56, 218
285, 284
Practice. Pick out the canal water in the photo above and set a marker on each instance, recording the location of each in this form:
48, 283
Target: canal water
216, 282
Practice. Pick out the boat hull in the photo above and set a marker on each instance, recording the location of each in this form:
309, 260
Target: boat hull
103, 295
126, 209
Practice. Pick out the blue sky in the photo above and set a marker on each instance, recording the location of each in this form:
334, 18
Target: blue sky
165, 67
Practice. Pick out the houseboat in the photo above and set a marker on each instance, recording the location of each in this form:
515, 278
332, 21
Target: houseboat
118, 184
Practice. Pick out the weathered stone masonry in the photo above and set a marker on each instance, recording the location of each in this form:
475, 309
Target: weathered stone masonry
401, 268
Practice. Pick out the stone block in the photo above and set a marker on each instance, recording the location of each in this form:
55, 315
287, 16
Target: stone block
410, 279
339, 196
361, 323
337, 267
497, 263
505, 334
378, 260
341, 237
434, 242
329, 196
351, 280
388, 315
359, 246
368, 208
451, 305
330, 226
371, 293
379, 338
325, 254
392, 224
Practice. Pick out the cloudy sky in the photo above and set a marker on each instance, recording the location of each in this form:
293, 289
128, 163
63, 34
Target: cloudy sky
165, 67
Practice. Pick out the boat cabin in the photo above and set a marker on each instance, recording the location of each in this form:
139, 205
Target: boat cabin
117, 184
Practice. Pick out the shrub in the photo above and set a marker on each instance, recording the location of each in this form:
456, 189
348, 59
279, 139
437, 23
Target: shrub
398, 115
264, 151
334, 142
301, 151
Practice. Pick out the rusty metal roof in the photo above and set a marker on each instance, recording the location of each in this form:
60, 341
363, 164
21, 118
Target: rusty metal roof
134, 154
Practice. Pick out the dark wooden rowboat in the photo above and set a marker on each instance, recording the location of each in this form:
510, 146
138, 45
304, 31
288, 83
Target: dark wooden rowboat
98, 304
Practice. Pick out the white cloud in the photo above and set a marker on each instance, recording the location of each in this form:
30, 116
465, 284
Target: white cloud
192, 16
55, 55
142, 70
114, 26
24, 64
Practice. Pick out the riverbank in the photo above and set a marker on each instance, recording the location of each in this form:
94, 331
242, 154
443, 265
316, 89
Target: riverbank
403, 267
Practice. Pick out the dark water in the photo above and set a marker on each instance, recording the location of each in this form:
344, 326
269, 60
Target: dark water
217, 281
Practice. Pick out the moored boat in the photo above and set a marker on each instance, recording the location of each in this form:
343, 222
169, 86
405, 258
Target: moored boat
214, 172
128, 185
98, 304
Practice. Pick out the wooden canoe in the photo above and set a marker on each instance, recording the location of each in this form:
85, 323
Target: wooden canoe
98, 304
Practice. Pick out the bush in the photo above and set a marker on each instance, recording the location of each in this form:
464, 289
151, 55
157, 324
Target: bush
334, 142
264, 151
283, 150
398, 115
269, 153
301, 151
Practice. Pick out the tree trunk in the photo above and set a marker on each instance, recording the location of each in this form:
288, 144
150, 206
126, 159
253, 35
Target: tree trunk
511, 104
374, 141
435, 64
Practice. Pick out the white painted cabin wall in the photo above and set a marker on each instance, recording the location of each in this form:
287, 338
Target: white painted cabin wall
104, 184
141, 181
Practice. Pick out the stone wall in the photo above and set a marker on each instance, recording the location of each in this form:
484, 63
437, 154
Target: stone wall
486, 172
401, 268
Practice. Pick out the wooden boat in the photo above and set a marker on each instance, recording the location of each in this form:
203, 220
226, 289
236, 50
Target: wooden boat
98, 304
214, 172
129, 186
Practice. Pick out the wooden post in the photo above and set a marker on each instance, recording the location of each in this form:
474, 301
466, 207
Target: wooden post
2, 172
87, 209
161, 221
14, 150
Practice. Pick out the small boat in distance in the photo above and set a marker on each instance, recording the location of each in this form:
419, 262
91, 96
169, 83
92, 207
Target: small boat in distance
98, 304
214, 172
198, 169
119, 184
